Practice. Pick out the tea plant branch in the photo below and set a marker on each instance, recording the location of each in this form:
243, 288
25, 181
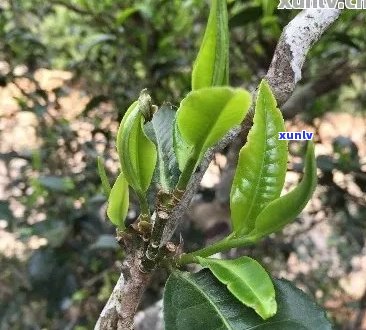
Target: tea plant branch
165, 204
109, 315
123, 302
296, 40
284, 72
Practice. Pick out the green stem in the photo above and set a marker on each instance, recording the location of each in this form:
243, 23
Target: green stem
220, 246
144, 205
187, 172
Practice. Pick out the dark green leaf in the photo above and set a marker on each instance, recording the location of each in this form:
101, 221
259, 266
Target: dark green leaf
285, 209
118, 202
247, 280
206, 115
163, 124
211, 67
262, 164
199, 301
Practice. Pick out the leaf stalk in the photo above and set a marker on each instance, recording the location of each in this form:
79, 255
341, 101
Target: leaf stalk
220, 246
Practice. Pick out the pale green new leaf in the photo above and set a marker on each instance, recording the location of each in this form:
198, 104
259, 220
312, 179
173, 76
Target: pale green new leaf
262, 164
199, 301
103, 176
286, 208
121, 128
211, 67
247, 280
136, 152
118, 202
207, 114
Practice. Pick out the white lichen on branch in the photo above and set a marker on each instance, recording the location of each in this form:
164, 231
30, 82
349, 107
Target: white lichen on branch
295, 42
112, 307
303, 31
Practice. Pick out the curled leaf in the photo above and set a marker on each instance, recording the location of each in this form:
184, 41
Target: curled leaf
137, 153
211, 67
121, 128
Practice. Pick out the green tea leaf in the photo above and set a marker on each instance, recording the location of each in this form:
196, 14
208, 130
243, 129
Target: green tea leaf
136, 151
262, 164
206, 115
199, 301
285, 209
118, 202
103, 176
211, 67
163, 124
121, 128
247, 280
182, 149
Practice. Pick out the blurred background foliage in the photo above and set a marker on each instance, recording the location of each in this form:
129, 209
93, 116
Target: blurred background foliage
68, 71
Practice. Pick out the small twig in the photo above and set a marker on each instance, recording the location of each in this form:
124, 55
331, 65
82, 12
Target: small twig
165, 204
284, 73
123, 302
